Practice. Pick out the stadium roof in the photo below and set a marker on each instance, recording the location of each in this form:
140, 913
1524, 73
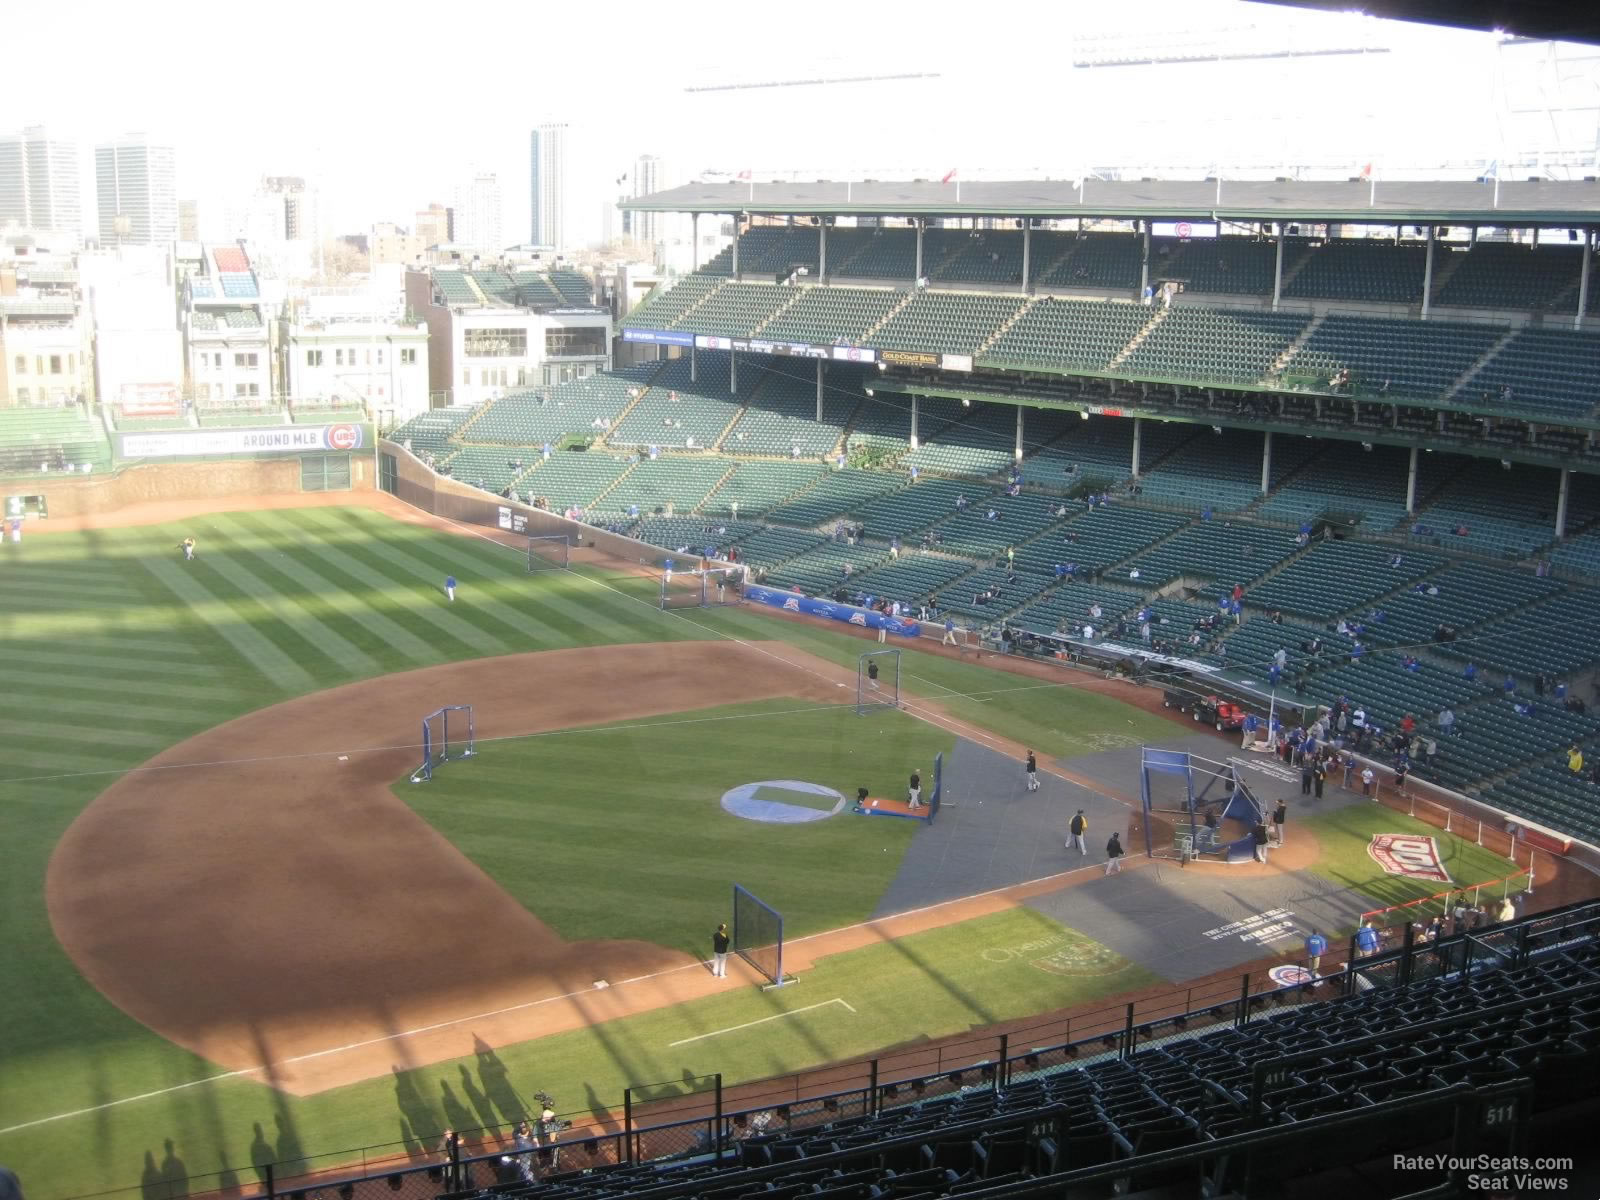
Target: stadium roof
1546, 202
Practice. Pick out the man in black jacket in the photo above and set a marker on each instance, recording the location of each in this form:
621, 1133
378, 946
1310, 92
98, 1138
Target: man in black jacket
719, 952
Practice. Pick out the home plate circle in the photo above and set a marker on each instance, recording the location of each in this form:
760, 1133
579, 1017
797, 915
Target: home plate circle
782, 801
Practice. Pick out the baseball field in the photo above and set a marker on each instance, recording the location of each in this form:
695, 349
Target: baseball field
234, 933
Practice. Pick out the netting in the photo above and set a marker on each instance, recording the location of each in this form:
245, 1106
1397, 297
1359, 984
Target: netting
548, 552
758, 935
877, 680
682, 589
447, 733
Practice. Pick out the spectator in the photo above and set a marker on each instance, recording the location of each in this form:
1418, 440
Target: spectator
1447, 721
1575, 759
1316, 947
1471, 671
1367, 780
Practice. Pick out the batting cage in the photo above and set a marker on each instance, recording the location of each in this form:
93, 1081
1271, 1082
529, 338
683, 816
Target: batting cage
877, 681
702, 587
447, 733
548, 551
758, 937
1191, 806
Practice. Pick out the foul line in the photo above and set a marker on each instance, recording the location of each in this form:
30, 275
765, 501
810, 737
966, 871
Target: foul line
761, 1021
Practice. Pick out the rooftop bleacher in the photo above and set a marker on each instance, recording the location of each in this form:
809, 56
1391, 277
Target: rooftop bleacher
573, 286
455, 287
239, 287
35, 440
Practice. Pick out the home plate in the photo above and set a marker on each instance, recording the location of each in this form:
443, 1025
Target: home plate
601, 983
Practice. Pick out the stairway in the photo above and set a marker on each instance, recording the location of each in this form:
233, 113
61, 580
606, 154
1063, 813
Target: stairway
1137, 339
1281, 363
887, 317
613, 485
1473, 371
715, 487
688, 312
782, 308
1001, 332
604, 438
1293, 269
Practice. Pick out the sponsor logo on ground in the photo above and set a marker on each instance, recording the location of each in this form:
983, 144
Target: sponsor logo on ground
1061, 954
1413, 855
1289, 975
1270, 926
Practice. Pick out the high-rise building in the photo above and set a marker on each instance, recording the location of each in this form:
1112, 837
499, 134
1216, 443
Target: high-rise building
649, 175
432, 225
477, 213
547, 157
138, 195
39, 183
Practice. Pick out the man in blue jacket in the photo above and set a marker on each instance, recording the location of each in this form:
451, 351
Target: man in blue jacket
1316, 947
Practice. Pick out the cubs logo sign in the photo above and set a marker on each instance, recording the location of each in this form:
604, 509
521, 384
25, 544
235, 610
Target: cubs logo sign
1408, 854
343, 437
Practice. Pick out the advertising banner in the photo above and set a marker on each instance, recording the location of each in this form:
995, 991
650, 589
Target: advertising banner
854, 354
849, 613
149, 400
512, 519
658, 337
909, 358
956, 362
216, 443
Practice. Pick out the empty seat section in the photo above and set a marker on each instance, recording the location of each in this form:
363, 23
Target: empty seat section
1550, 373
825, 316
945, 322
1070, 334
1335, 577
1213, 345
1505, 275
662, 307
1356, 269
1416, 359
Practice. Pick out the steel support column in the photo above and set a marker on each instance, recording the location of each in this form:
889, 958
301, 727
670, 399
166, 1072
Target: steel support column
1427, 273
1411, 482
1266, 462
1277, 272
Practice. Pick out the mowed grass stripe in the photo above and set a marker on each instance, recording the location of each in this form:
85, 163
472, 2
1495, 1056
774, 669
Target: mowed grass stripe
295, 613
147, 716
176, 646
585, 613
108, 660
56, 589
38, 733
253, 646
425, 603
65, 760
358, 604
201, 695
419, 567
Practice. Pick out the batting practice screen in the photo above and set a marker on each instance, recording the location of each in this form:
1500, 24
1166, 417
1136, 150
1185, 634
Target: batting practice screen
548, 552
758, 936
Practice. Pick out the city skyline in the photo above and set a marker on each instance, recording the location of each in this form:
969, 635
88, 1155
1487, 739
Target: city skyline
136, 193
694, 99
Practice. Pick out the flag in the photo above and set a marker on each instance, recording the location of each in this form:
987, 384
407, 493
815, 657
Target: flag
1366, 171
951, 175
745, 174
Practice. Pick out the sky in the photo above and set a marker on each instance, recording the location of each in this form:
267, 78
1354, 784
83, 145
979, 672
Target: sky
388, 108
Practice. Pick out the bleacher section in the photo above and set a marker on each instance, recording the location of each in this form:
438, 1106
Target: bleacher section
1096, 260
1555, 636
1214, 345
1333, 577
757, 487
826, 315
1215, 266
455, 288
662, 308
1553, 795
571, 479
1220, 471
836, 494
1419, 359
1552, 374
1081, 335
1095, 540
770, 250
1486, 510
945, 322
534, 416
737, 309
1502, 275
34, 440
1343, 478
872, 253
670, 483
912, 579
821, 570
1212, 550
1357, 269
784, 421
673, 410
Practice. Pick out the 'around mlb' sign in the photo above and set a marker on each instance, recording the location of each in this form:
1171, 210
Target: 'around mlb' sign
1408, 854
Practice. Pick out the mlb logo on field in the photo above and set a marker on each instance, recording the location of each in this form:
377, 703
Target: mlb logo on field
1410, 855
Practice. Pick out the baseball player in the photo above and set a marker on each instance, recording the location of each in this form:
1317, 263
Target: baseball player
872, 679
915, 790
1078, 827
1033, 772
450, 587
187, 545
949, 631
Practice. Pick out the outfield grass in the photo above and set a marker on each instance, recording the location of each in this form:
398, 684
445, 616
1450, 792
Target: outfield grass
527, 811
114, 650
932, 984
1345, 833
